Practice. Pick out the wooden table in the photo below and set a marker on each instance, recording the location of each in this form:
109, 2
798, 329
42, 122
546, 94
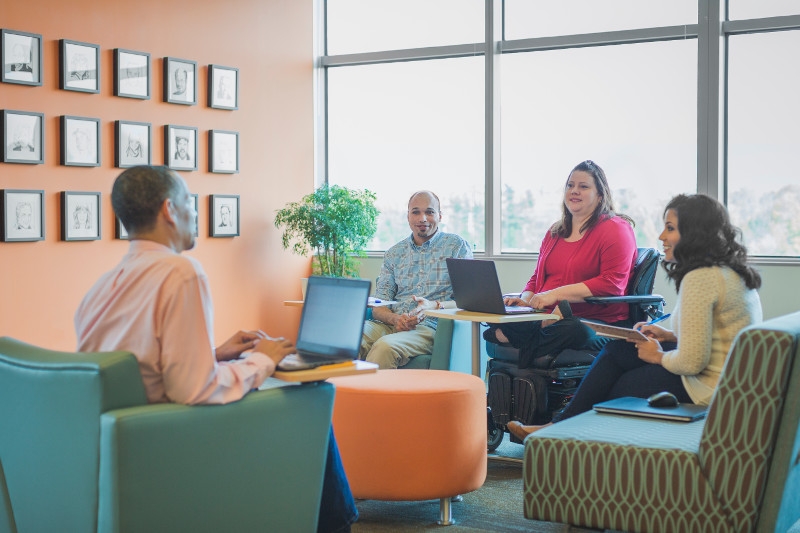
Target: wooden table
477, 318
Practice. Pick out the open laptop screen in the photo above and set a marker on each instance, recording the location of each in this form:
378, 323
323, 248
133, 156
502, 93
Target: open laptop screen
333, 317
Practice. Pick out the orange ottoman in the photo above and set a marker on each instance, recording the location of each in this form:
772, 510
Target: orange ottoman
412, 434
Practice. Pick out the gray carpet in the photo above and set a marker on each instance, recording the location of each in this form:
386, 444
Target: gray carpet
495, 507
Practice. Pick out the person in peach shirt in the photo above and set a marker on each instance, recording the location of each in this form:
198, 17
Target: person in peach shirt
156, 303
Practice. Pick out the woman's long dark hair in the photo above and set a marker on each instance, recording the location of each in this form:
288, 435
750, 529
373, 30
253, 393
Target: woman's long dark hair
707, 239
605, 208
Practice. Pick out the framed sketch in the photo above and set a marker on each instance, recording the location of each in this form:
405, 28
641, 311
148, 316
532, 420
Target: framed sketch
131, 74
223, 87
180, 147
180, 81
23, 137
196, 203
79, 66
223, 219
132, 146
22, 216
22, 57
119, 230
223, 151
80, 216
80, 141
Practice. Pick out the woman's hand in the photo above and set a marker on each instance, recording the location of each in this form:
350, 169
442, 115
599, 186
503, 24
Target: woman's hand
656, 332
650, 351
515, 301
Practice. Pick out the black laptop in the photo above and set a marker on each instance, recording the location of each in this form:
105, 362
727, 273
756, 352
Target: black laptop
476, 287
331, 324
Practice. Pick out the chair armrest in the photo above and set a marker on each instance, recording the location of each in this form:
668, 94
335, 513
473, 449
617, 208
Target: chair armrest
442, 344
638, 300
256, 464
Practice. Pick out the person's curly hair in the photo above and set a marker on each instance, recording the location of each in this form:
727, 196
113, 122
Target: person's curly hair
707, 239
605, 208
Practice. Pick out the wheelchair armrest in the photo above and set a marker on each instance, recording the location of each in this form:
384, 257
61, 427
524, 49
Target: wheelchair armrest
640, 300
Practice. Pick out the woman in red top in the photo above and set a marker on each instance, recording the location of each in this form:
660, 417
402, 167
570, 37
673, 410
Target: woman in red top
589, 252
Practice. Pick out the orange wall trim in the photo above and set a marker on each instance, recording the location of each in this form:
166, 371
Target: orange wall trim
270, 42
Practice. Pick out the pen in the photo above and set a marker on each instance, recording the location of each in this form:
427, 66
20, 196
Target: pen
659, 319
375, 300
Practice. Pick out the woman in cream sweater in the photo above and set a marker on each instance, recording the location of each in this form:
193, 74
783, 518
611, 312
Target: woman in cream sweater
716, 298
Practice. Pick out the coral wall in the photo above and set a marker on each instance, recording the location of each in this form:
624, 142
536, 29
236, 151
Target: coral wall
270, 42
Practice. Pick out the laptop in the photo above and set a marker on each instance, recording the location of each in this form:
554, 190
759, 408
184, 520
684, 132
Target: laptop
331, 324
477, 288
684, 412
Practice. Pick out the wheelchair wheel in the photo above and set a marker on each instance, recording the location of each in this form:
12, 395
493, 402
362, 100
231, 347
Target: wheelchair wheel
496, 435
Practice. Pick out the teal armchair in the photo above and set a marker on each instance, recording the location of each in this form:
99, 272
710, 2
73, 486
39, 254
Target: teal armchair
82, 451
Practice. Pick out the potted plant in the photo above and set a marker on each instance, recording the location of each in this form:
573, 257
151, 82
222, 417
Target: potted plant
334, 222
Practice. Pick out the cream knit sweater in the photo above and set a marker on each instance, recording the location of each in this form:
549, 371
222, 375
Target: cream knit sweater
713, 306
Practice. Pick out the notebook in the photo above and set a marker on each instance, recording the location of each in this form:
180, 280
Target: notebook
615, 332
476, 287
331, 324
684, 412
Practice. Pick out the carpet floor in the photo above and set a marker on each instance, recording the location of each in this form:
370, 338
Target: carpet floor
495, 507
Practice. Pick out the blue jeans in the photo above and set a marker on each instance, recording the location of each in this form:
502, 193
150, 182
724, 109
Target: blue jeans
617, 371
337, 509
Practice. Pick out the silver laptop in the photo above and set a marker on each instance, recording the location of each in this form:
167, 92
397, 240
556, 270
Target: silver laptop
476, 287
685, 412
331, 324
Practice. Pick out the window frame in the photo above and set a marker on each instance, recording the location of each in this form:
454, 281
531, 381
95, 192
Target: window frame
711, 32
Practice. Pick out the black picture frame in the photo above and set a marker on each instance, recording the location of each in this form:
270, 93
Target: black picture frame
180, 147
223, 87
131, 74
79, 66
180, 81
80, 141
21, 54
22, 215
23, 137
223, 151
119, 230
223, 215
80, 216
132, 143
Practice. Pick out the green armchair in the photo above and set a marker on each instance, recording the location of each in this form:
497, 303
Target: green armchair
82, 451
737, 470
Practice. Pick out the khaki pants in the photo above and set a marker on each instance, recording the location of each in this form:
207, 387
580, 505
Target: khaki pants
388, 348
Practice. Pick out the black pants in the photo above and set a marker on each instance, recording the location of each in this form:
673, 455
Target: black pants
534, 341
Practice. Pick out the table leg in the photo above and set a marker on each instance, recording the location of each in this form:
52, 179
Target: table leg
476, 349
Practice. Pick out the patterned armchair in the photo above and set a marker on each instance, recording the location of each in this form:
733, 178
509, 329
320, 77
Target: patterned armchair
738, 470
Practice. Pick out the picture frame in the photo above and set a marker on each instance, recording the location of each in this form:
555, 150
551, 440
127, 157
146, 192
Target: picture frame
223, 151
80, 216
223, 87
131, 74
133, 142
80, 141
180, 147
22, 216
23, 137
180, 81
21, 53
223, 219
119, 230
79, 66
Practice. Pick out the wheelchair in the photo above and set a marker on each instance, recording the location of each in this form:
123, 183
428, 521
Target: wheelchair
534, 395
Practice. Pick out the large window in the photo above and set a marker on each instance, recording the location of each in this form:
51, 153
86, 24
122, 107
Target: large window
490, 103
764, 142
